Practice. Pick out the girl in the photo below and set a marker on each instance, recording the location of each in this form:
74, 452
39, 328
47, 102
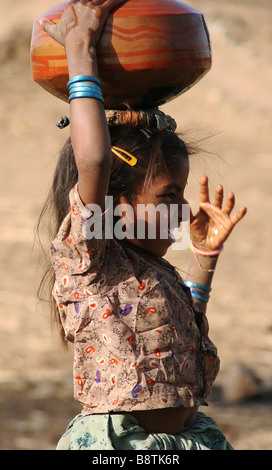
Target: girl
143, 361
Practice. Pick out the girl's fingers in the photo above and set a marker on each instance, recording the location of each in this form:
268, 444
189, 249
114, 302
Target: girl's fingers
215, 214
51, 29
87, 2
229, 204
219, 195
113, 3
96, 3
222, 220
47, 25
109, 4
204, 190
238, 216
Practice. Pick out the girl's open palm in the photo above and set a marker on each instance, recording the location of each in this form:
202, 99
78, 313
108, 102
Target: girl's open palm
213, 223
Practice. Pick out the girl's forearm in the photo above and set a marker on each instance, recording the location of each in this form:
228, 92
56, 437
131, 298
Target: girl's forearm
201, 271
89, 130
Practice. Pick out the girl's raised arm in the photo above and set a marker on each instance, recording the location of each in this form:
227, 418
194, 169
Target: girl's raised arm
78, 31
209, 230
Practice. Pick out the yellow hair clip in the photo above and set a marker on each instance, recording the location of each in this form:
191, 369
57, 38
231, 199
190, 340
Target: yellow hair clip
131, 161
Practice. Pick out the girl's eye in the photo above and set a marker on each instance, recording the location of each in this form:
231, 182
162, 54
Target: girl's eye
169, 195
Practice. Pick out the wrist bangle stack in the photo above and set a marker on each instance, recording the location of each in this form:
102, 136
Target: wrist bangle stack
199, 291
85, 86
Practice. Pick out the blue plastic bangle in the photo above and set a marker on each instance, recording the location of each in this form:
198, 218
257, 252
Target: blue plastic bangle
198, 286
84, 94
89, 91
83, 78
205, 295
200, 297
84, 83
84, 87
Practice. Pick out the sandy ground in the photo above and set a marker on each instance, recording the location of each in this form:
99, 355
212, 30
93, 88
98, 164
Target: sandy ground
233, 106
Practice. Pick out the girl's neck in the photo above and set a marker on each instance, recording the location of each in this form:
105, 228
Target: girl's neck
146, 255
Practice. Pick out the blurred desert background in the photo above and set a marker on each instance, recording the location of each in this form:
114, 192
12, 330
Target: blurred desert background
232, 106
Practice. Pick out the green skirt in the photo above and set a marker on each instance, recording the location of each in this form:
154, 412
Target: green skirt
122, 432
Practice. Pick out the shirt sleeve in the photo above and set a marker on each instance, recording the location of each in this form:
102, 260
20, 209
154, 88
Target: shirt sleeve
80, 244
77, 254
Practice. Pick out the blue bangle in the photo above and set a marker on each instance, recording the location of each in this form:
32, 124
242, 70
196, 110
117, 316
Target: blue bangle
86, 94
88, 91
200, 297
205, 295
83, 78
84, 87
198, 286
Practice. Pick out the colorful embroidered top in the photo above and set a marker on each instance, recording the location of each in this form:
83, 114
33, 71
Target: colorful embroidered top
139, 342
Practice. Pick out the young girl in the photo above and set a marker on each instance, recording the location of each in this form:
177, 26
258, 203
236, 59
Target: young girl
143, 361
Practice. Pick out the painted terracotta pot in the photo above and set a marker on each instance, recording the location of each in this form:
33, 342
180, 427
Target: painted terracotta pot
149, 52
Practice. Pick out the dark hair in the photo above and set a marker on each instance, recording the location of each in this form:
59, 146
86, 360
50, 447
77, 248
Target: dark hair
156, 151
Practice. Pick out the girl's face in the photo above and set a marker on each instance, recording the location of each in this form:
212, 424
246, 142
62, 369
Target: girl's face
167, 189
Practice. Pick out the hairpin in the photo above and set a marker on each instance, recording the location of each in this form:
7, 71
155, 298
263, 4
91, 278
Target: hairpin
131, 160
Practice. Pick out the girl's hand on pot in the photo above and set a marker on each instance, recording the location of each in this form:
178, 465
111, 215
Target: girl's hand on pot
80, 19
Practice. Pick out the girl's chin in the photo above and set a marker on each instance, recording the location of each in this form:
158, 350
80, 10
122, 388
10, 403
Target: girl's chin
160, 249
157, 248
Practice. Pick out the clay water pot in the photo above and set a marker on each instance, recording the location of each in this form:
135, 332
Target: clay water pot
149, 52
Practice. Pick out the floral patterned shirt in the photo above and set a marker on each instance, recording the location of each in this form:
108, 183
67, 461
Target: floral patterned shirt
139, 341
